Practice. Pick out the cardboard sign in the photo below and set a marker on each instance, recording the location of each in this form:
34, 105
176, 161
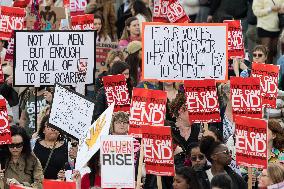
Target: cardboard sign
65, 57
77, 7
117, 157
158, 150
5, 133
90, 143
176, 13
51, 17
51, 184
202, 101
246, 98
148, 107
102, 50
116, 91
268, 75
176, 52
160, 11
70, 111
251, 142
235, 39
82, 22
11, 18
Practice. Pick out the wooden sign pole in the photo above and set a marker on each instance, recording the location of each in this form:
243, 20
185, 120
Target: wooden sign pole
139, 174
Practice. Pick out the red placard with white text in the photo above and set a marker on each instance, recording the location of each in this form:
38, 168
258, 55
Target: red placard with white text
251, 142
77, 7
5, 133
148, 107
235, 39
10, 49
158, 150
51, 184
82, 22
268, 75
202, 101
2, 78
11, 18
116, 91
246, 98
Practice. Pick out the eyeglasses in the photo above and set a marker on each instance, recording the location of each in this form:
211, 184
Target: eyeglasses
227, 152
200, 157
74, 144
257, 55
16, 145
121, 122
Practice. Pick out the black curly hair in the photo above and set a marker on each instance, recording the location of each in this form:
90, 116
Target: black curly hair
208, 146
190, 176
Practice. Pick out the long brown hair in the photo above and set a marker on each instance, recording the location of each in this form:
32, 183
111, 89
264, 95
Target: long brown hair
275, 127
102, 34
126, 33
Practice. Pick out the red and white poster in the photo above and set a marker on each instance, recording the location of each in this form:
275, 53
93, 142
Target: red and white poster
82, 22
202, 101
235, 39
51, 184
251, 142
5, 133
246, 98
77, 7
160, 10
10, 49
268, 75
116, 91
11, 18
2, 78
148, 107
158, 150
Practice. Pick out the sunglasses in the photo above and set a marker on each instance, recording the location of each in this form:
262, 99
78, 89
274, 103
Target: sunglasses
194, 158
257, 55
227, 152
16, 145
74, 144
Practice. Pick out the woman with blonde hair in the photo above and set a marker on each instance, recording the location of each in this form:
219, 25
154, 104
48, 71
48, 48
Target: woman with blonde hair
274, 174
119, 123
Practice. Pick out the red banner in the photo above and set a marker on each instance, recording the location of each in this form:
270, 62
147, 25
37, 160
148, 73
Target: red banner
235, 39
251, 142
148, 107
202, 101
82, 22
16, 187
117, 91
160, 10
246, 98
158, 150
5, 134
51, 184
10, 49
77, 7
268, 75
11, 18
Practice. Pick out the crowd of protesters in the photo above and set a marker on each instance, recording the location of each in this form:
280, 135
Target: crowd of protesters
203, 157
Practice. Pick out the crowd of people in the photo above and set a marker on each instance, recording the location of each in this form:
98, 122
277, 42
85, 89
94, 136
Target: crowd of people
204, 158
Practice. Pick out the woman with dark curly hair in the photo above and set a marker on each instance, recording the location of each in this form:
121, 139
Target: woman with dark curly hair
186, 178
275, 146
19, 165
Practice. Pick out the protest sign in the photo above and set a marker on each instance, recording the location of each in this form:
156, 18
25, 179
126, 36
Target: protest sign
176, 13
148, 107
51, 17
160, 11
2, 79
70, 111
235, 39
176, 52
251, 142
245, 95
202, 101
65, 57
11, 18
51, 184
102, 50
90, 143
21, 3
268, 75
158, 150
16, 187
82, 22
117, 157
5, 134
10, 49
7, 3
77, 7
116, 91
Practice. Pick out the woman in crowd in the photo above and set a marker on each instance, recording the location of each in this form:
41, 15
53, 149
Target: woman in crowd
101, 101
275, 145
141, 12
134, 60
130, 33
19, 165
102, 36
219, 156
172, 90
119, 123
268, 29
221, 181
186, 178
50, 149
272, 175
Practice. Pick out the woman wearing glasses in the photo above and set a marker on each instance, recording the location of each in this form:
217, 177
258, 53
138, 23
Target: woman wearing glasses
19, 165
220, 157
